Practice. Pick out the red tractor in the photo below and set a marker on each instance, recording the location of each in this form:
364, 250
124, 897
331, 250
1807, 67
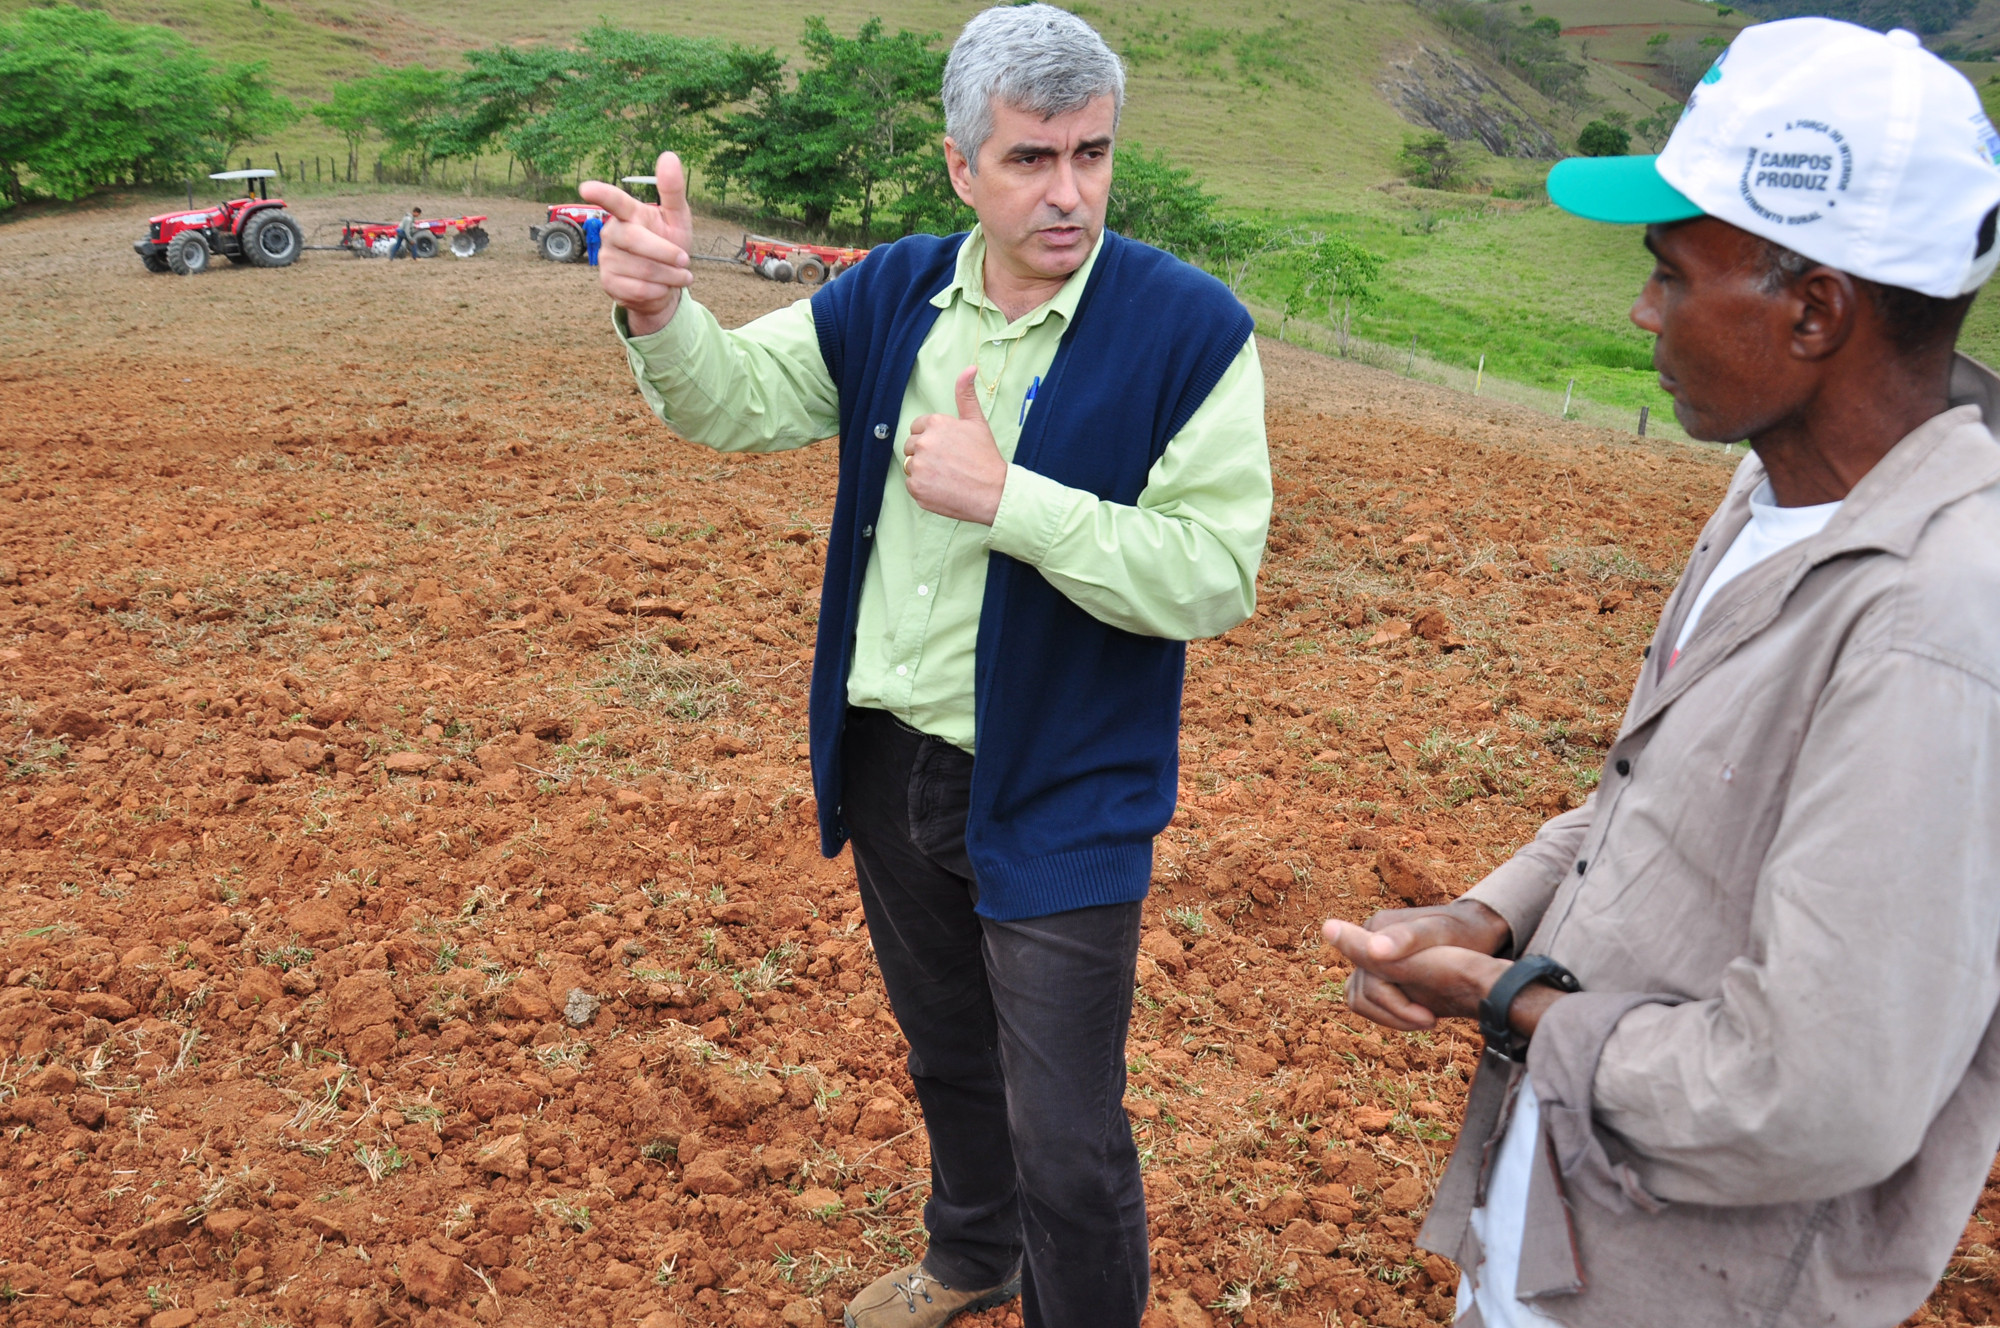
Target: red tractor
254, 230
561, 239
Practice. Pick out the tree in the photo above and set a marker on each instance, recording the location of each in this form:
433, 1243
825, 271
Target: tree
1240, 242
410, 108
1600, 138
1531, 47
346, 113
505, 88
928, 202
1657, 127
246, 109
1158, 202
1340, 273
87, 100
1431, 160
1685, 59
635, 94
859, 128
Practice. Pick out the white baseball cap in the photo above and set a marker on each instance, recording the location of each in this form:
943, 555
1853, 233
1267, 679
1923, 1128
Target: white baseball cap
1858, 149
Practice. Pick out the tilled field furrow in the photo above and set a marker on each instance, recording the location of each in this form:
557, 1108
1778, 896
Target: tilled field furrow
411, 904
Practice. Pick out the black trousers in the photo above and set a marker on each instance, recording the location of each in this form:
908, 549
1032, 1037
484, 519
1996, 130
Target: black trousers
1017, 1046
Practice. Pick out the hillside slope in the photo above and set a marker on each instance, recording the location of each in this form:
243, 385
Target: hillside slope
1275, 105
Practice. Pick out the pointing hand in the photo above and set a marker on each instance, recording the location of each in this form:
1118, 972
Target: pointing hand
643, 260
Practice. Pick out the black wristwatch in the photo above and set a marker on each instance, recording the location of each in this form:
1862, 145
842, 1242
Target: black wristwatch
1499, 1002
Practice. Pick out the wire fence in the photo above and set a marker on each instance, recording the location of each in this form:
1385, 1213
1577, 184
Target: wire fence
1411, 361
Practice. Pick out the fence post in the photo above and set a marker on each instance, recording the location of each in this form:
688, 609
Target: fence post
1644, 411
1411, 367
1479, 377
1567, 393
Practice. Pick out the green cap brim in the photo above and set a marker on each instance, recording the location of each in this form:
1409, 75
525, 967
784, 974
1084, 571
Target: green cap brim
1626, 191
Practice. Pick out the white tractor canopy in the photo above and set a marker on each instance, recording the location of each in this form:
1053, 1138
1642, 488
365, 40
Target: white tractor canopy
244, 175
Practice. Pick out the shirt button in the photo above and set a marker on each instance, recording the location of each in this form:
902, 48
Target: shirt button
902, 670
923, 590
1624, 767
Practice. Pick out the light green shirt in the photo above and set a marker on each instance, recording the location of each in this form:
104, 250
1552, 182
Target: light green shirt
1180, 563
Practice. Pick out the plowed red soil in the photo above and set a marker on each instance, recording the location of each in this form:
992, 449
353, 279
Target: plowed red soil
411, 911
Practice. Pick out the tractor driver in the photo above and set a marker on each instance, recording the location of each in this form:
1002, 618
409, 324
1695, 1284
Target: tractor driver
406, 234
593, 235
1052, 475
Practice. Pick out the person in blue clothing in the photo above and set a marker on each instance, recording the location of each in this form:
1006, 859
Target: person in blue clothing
593, 233
406, 234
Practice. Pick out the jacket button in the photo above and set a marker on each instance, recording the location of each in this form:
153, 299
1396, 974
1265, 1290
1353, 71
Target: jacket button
1582, 866
868, 532
1624, 767
881, 431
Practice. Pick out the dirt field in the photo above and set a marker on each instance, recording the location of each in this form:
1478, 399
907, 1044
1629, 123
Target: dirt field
411, 912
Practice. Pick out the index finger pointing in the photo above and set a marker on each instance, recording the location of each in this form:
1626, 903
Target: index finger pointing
611, 198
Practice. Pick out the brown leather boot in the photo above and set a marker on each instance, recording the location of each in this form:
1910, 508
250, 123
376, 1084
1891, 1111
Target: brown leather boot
913, 1298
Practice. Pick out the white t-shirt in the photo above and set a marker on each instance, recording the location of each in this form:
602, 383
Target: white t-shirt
1772, 530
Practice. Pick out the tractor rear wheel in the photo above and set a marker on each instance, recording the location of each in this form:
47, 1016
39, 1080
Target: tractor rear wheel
273, 239
154, 263
188, 254
424, 245
562, 243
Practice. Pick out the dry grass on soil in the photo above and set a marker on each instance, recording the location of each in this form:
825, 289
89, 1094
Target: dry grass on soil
410, 908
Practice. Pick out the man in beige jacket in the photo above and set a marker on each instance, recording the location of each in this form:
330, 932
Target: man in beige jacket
1743, 1058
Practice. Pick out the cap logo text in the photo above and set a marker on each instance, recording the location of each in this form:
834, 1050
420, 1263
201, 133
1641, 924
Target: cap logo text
1797, 173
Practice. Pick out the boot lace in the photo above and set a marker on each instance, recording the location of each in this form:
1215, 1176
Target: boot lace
914, 1286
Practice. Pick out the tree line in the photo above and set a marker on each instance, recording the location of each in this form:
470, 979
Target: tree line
853, 132
87, 101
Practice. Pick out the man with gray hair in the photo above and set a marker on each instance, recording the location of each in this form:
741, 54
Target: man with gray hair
1052, 476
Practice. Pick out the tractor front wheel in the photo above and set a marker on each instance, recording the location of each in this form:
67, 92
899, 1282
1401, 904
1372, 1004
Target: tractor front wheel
562, 243
154, 263
273, 239
424, 245
188, 254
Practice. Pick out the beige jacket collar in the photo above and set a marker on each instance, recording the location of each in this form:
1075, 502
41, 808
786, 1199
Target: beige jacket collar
1941, 461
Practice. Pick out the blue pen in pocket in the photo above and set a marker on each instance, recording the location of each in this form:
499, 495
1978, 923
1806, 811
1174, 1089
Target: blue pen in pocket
1028, 400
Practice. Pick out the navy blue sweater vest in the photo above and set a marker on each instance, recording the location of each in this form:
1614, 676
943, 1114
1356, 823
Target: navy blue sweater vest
1078, 722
